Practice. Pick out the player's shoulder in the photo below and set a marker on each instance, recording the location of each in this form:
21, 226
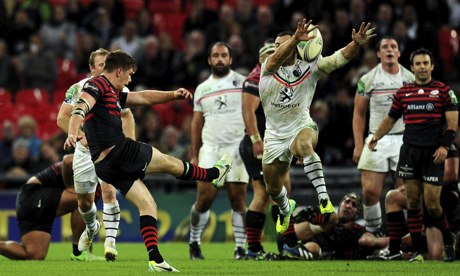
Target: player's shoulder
407, 74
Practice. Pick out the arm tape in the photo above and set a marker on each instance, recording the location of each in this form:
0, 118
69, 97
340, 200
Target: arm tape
332, 62
448, 138
79, 112
85, 102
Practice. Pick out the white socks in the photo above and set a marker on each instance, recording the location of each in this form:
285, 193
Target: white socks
373, 217
111, 216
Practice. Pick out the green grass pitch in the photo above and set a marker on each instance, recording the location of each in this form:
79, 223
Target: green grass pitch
132, 260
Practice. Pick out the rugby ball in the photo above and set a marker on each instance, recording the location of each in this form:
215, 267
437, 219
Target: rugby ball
311, 49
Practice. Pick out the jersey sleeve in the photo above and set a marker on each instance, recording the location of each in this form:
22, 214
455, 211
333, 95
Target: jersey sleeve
396, 110
251, 87
450, 102
92, 88
123, 97
70, 94
197, 100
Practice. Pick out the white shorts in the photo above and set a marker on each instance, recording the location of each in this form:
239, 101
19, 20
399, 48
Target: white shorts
209, 155
84, 174
386, 156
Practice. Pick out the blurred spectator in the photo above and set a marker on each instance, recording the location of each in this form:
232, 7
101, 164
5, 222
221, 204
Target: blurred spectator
9, 77
368, 62
170, 144
48, 156
150, 131
358, 13
320, 114
114, 9
338, 132
265, 27
296, 17
154, 65
128, 41
314, 10
454, 16
341, 29
326, 32
20, 164
398, 8
38, 67
199, 17
99, 24
27, 132
406, 44
144, 23
245, 13
384, 20
186, 131
6, 141
242, 60
21, 29
188, 64
220, 30
75, 12
86, 45
173, 113
39, 10
59, 35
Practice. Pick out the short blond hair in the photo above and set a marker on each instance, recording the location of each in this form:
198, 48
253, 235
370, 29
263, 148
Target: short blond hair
98, 52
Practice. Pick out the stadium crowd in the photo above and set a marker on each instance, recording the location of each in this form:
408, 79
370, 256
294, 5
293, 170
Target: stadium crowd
46, 45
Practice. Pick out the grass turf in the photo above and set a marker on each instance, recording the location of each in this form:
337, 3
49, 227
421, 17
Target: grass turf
132, 260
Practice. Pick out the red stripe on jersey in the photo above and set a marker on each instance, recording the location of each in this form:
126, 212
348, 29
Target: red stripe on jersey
254, 76
219, 93
110, 105
89, 116
114, 112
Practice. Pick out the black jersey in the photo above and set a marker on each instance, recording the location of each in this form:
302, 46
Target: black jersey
102, 126
342, 239
251, 86
422, 108
52, 176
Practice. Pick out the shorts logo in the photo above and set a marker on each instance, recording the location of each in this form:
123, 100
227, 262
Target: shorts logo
405, 171
430, 178
145, 167
39, 205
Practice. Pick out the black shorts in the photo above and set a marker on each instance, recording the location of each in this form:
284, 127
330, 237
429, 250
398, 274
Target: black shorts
418, 163
253, 165
36, 207
125, 163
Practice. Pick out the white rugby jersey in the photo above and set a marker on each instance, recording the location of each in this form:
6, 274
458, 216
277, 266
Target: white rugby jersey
220, 101
73, 93
380, 87
286, 96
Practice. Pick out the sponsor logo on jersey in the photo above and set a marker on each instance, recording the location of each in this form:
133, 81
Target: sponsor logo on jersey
221, 101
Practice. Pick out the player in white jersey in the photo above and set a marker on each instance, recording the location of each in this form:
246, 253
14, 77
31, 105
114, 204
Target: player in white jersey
85, 177
375, 93
218, 128
287, 86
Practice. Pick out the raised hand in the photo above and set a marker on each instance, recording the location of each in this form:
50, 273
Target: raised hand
182, 93
304, 29
364, 34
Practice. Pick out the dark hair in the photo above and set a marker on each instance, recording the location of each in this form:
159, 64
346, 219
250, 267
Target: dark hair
386, 37
421, 51
220, 43
358, 200
283, 33
119, 59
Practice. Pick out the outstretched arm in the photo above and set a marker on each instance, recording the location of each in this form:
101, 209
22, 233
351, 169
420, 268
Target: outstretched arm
344, 55
275, 60
149, 97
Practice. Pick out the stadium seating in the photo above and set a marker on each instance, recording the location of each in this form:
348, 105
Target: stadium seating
132, 7
32, 97
67, 73
5, 96
162, 6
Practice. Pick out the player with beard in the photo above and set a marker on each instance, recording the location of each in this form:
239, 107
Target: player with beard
217, 128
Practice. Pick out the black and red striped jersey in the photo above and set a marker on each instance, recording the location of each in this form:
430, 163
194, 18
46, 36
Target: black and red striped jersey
251, 86
102, 126
423, 110
52, 176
